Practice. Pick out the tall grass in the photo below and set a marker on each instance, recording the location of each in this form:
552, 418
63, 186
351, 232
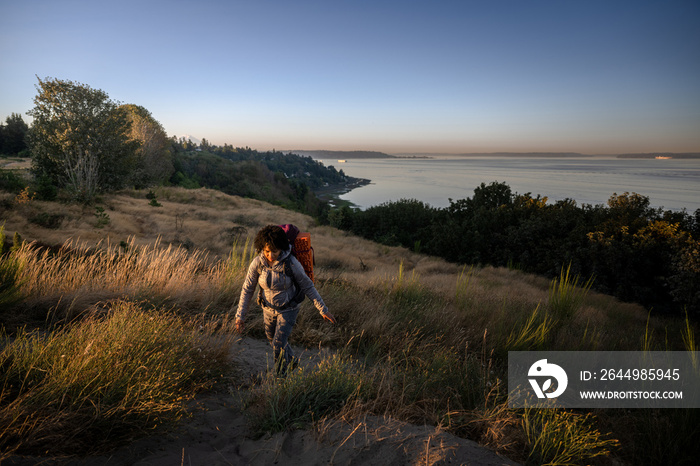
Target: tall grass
406, 287
688, 337
428, 382
534, 335
233, 270
10, 273
462, 287
559, 437
406, 299
115, 373
76, 273
305, 396
567, 294
126, 269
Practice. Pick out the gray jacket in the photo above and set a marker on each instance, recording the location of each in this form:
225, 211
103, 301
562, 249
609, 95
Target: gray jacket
277, 286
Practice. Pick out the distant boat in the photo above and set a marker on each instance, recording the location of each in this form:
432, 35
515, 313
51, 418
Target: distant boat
662, 157
342, 161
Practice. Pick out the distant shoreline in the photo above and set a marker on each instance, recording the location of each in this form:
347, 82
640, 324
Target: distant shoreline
563, 155
332, 155
661, 155
342, 154
332, 193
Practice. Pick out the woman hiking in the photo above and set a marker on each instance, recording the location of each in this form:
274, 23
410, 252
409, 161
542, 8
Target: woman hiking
283, 284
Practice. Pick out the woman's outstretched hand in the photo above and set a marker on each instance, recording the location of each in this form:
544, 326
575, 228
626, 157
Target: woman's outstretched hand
329, 317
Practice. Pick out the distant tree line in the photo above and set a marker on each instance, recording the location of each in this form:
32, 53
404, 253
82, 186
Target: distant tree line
632, 251
82, 144
13, 135
247, 176
292, 166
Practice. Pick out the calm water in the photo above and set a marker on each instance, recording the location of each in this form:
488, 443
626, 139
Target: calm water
671, 184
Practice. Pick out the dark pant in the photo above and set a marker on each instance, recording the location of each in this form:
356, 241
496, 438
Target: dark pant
278, 328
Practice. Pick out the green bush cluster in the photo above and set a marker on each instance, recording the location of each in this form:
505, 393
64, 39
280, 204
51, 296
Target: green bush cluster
632, 251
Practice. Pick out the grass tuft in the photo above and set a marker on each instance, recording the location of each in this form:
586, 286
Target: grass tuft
559, 437
306, 396
10, 276
534, 335
462, 288
688, 337
567, 294
116, 373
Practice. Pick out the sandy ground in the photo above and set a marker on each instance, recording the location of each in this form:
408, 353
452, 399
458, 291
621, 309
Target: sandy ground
217, 434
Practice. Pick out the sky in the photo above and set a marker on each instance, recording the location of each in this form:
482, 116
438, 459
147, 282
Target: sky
596, 77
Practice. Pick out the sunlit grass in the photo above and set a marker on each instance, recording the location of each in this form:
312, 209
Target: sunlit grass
76, 276
567, 294
688, 337
560, 437
306, 396
95, 383
238, 260
534, 335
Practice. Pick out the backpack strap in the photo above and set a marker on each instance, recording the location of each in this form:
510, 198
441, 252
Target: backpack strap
299, 295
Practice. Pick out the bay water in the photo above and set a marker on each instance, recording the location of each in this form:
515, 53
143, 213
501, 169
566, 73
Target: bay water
672, 184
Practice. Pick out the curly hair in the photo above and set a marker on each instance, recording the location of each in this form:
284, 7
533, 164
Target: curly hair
273, 235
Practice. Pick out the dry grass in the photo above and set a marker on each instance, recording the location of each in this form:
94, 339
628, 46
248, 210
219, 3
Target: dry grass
127, 271
434, 335
119, 371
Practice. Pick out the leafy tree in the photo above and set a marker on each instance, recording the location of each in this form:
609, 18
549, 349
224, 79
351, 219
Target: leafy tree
80, 139
399, 222
204, 145
13, 134
154, 161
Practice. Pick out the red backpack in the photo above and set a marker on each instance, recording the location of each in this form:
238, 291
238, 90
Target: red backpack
301, 248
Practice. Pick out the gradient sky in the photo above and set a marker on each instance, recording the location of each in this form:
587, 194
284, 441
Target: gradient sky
396, 76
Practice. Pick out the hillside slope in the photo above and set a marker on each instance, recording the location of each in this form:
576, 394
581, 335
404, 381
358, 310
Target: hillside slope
436, 333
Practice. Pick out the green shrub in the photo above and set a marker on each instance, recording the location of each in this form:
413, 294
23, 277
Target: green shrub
47, 220
11, 182
102, 217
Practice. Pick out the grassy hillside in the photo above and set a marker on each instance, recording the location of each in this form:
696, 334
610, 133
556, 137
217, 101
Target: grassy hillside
419, 339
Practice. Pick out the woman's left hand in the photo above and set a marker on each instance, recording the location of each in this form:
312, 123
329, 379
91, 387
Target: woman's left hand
240, 325
329, 317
